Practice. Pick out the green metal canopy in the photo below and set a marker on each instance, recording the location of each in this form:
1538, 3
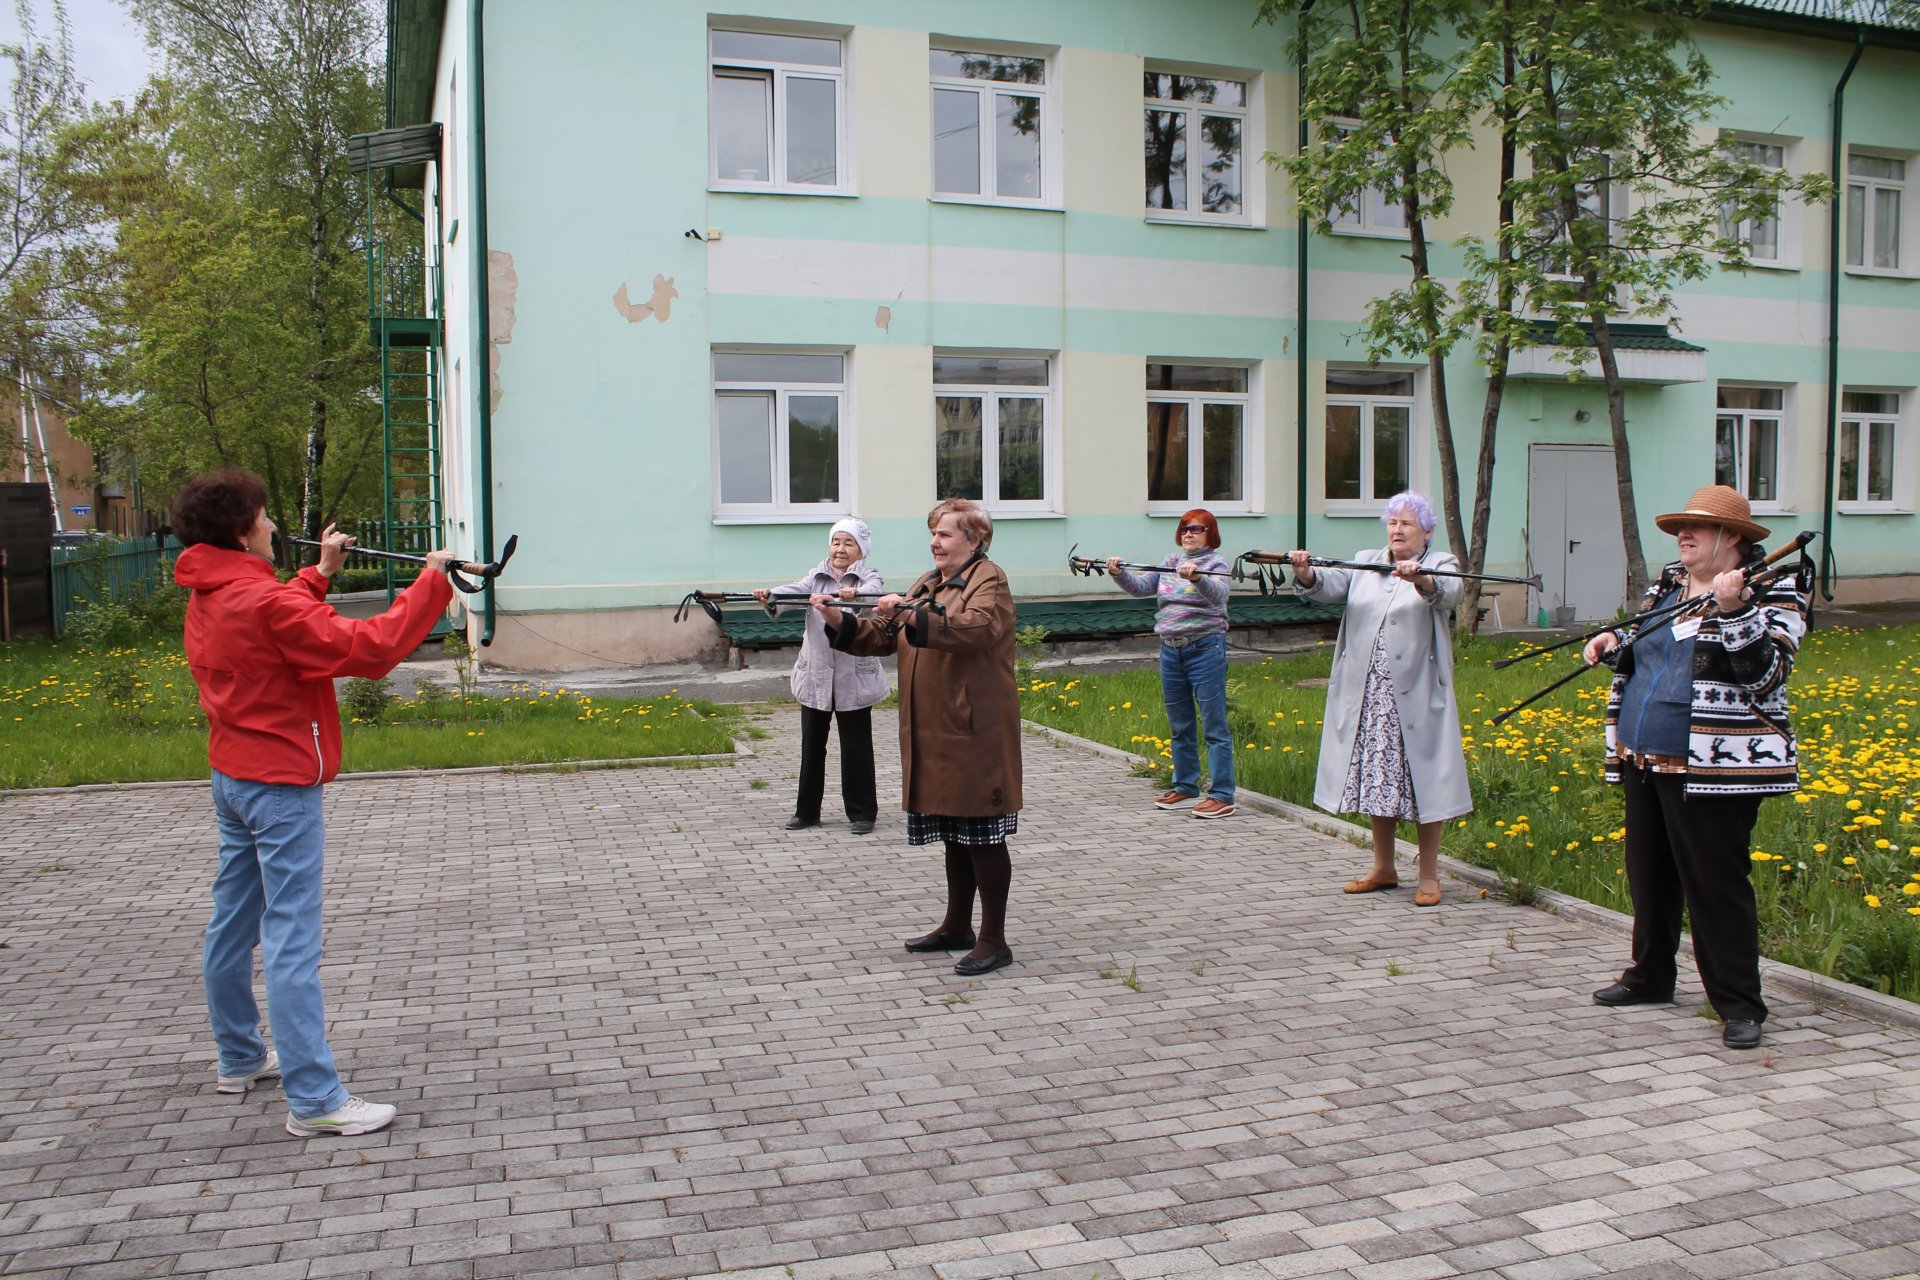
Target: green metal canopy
1626, 337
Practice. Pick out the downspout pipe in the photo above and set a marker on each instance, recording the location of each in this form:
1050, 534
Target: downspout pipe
1303, 240
1833, 312
483, 300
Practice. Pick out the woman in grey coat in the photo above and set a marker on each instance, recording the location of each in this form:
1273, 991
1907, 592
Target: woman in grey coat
1390, 743
830, 684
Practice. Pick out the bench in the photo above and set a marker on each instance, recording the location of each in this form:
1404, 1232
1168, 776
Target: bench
1073, 618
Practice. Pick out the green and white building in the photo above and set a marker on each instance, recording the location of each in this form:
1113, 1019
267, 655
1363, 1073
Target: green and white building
697, 283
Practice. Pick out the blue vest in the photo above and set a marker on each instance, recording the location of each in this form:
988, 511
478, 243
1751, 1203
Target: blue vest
1656, 706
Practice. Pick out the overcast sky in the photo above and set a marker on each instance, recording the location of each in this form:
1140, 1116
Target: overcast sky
109, 51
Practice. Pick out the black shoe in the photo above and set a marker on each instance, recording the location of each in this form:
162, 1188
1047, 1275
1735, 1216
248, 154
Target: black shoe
1621, 994
1741, 1033
963, 941
861, 826
974, 966
798, 823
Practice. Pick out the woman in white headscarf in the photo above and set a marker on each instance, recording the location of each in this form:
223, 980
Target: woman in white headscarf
830, 684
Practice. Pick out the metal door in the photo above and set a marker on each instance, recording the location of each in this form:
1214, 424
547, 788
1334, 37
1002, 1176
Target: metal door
1573, 530
26, 541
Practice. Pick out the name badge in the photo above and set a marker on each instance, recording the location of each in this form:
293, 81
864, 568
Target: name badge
1686, 629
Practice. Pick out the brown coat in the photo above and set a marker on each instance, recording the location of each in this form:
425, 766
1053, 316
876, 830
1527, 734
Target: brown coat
959, 704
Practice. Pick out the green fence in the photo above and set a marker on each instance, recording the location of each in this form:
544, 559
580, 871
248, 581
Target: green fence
105, 567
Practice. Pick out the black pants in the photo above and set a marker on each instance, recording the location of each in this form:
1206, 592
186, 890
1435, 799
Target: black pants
856, 763
1693, 850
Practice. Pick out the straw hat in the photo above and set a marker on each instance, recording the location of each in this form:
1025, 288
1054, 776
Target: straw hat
1715, 504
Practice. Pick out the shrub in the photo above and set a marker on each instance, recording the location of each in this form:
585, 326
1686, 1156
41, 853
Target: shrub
367, 701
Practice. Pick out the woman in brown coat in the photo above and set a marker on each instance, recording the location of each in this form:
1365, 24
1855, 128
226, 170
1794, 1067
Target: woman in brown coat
959, 723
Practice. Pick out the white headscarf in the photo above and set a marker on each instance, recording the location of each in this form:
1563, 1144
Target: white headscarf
857, 529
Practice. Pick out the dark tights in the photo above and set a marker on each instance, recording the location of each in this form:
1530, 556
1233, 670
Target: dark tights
987, 868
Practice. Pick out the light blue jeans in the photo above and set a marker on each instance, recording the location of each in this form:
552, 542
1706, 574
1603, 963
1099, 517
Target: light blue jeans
1198, 674
267, 894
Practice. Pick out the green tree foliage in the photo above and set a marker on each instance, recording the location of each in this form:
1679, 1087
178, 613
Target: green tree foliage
1623, 194
208, 363
1609, 194
58, 181
1391, 87
240, 330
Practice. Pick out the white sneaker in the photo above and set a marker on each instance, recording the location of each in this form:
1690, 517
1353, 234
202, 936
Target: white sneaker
355, 1115
268, 1070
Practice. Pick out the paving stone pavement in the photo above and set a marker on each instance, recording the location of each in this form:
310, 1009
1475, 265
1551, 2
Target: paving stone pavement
636, 1029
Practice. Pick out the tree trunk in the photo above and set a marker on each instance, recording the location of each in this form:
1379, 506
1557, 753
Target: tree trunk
1496, 373
312, 499
1636, 582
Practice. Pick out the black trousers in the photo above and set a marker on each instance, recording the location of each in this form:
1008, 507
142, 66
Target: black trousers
856, 763
1693, 851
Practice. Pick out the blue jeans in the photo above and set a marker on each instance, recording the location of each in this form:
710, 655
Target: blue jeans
267, 893
1198, 674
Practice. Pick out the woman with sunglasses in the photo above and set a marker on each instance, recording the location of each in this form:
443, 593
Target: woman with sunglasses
1192, 625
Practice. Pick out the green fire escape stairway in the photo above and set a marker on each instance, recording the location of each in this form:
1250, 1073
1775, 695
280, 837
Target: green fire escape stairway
403, 318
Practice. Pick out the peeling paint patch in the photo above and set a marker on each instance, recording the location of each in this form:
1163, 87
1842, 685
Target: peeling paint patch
503, 291
659, 306
883, 318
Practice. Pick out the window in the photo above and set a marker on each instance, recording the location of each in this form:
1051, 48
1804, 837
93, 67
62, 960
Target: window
1369, 437
1760, 235
1876, 195
1196, 437
1196, 130
1568, 243
1747, 430
991, 418
1869, 425
778, 101
1375, 214
989, 119
776, 433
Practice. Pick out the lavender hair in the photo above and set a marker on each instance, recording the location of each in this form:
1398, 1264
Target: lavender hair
1410, 503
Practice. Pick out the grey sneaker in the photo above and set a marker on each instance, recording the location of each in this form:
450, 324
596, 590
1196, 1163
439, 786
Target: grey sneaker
355, 1115
268, 1070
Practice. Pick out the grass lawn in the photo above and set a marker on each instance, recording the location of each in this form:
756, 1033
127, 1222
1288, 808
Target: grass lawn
70, 715
1836, 866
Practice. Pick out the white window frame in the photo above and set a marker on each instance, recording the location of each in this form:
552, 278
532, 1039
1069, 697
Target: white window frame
990, 395
1607, 200
984, 92
1900, 466
1786, 214
1248, 116
1908, 261
1783, 442
1362, 222
1416, 437
1251, 436
777, 74
780, 510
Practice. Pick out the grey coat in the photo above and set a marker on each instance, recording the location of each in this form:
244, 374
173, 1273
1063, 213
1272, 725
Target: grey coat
1420, 656
823, 679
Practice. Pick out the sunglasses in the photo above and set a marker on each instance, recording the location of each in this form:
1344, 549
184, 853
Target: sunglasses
1192, 528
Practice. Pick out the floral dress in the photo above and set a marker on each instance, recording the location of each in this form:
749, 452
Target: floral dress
1379, 784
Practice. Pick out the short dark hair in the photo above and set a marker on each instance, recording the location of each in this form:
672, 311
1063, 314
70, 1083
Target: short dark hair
1204, 518
219, 508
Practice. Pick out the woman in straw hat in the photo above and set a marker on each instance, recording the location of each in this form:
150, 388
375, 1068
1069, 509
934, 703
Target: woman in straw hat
1697, 735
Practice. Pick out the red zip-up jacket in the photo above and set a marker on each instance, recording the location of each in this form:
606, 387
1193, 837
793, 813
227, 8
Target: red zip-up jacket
265, 654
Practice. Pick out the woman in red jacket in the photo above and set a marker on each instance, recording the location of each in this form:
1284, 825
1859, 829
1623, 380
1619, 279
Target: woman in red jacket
265, 654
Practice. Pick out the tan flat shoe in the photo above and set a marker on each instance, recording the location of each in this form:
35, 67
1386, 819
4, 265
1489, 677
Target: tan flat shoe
1425, 897
1370, 885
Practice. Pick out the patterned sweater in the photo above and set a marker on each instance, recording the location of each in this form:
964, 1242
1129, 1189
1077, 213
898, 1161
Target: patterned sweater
1196, 608
1739, 738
